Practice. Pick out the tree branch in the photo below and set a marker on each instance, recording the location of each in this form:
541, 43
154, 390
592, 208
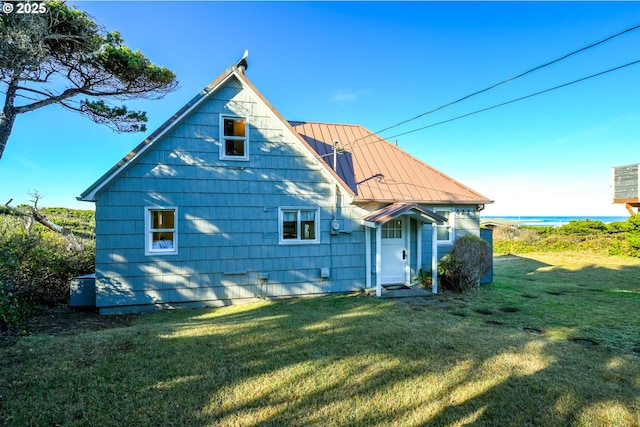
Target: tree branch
35, 215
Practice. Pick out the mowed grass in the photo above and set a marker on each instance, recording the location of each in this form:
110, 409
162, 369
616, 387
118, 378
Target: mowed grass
501, 356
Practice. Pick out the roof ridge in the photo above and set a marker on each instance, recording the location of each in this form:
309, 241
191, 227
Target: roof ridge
325, 123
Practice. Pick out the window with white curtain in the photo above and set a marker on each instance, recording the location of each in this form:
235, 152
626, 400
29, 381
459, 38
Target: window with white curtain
161, 231
298, 225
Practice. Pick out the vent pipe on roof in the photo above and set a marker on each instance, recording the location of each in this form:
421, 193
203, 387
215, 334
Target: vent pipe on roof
335, 155
242, 65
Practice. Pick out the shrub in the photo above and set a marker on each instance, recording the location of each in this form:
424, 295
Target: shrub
633, 239
582, 227
13, 309
516, 234
463, 267
424, 278
38, 262
617, 238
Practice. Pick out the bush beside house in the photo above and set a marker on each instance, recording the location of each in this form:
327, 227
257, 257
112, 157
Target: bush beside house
36, 264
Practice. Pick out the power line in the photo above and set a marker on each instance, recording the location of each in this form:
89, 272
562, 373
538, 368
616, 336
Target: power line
518, 99
351, 143
483, 110
511, 79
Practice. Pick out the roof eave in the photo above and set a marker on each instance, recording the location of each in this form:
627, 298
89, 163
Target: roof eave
90, 194
427, 202
332, 174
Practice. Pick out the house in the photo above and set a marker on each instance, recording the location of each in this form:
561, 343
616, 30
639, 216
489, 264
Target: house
625, 187
229, 201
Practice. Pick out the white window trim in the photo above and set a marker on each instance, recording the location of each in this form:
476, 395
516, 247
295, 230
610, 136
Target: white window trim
223, 147
148, 243
450, 225
298, 241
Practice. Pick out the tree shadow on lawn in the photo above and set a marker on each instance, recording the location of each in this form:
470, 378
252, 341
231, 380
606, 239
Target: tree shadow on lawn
353, 361
334, 361
600, 300
423, 375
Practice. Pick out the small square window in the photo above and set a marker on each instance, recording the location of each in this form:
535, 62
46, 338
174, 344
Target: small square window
234, 138
392, 229
161, 231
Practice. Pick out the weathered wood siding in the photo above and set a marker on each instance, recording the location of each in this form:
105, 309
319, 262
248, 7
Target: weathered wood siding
625, 182
227, 217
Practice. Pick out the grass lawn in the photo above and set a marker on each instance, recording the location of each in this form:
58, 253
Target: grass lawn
555, 340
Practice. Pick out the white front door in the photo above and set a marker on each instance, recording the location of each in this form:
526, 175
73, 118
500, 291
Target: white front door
393, 252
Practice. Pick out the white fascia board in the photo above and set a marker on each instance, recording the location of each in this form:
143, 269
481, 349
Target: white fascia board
296, 136
91, 197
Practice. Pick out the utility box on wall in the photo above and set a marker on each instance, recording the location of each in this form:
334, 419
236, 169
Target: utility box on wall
83, 291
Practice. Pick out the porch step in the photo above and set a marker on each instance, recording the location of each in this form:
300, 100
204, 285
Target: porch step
399, 293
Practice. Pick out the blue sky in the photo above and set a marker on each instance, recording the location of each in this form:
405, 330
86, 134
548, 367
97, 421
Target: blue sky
377, 64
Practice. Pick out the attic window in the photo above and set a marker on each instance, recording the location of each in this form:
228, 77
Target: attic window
233, 136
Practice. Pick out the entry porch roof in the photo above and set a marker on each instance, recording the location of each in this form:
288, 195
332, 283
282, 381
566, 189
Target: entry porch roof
380, 216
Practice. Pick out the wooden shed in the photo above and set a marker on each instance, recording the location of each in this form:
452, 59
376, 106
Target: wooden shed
625, 186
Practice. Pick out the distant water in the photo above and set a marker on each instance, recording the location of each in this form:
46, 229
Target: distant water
556, 221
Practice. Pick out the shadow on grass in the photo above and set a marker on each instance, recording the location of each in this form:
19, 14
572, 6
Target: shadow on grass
346, 360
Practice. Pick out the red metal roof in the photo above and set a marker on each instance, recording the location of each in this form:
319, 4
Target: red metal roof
376, 170
369, 167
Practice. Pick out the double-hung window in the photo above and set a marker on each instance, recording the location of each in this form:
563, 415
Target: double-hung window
298, 225
445, 231
161, 231
234, 143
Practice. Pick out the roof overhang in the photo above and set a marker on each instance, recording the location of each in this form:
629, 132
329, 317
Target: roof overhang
324, 167
90, 194
414, 210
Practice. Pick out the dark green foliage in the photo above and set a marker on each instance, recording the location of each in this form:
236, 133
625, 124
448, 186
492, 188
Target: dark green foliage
582, 227
61, 55
463, 267
631, 225
13, 309
424, 278
37, 265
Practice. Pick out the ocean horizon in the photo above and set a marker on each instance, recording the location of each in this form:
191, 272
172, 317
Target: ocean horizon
555, 221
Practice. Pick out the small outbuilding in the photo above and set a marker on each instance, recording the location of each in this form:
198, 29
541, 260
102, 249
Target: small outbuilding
625, 186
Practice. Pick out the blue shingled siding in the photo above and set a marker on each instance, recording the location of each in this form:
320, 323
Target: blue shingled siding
464, 223
227, 217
